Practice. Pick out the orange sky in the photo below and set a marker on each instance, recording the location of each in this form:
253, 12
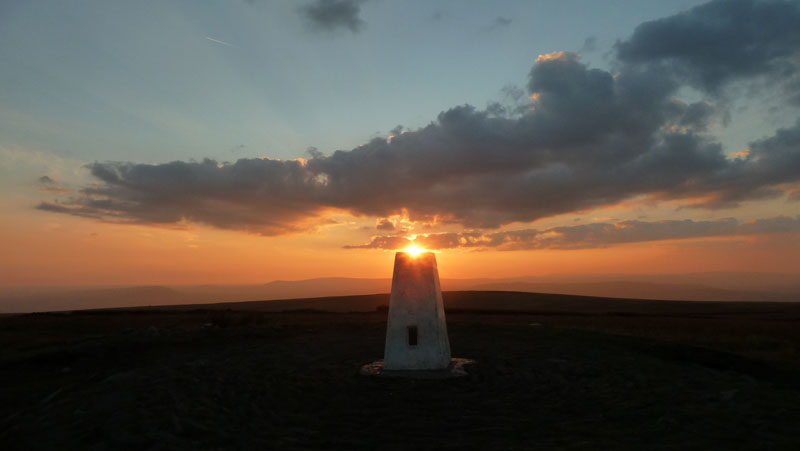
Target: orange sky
43, 249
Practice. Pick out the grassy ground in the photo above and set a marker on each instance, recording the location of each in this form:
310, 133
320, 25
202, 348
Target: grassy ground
547, 380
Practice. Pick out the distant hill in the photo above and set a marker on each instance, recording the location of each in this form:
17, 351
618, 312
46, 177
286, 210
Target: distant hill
684, 287
284, 289
89, 298
640, 290
762, 282
499, 302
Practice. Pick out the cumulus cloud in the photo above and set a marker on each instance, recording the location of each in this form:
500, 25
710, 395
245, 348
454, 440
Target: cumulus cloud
588, 235
719, 41
331, 15
586, 138
263, 196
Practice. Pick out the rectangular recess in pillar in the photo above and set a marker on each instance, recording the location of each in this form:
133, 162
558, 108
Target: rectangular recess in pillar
412, 335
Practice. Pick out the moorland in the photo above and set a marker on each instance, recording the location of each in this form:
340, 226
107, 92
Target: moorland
551, 372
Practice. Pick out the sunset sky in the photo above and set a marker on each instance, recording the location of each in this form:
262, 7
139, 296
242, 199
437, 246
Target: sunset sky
176, 142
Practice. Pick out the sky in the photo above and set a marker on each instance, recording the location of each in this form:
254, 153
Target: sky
183, 142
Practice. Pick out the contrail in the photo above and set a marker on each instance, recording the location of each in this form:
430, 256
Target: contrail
220, 42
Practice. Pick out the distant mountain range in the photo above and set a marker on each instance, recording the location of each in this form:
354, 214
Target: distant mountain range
683, 287
641, 290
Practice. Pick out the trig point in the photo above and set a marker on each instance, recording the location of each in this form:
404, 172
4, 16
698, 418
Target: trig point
417, 344
416, 333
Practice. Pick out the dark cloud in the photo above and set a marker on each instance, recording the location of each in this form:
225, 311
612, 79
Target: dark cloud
331, 15
75, 210
582, 138
780, 224
720, 41
770, 162
48, 185
384, 242
588, 235
384, 224
255, 195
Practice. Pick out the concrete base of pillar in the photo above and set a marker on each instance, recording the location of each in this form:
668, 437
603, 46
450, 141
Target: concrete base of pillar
455, 369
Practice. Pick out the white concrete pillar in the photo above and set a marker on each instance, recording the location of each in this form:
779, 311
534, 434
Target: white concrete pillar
416, 333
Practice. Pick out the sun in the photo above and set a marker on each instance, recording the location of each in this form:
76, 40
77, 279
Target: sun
413, 250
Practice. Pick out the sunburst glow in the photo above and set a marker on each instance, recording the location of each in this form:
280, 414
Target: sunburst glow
414, 250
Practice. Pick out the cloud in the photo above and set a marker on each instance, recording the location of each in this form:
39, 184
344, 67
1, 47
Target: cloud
588, 235
262, 196
48, 185
583, 138
721, 41
74, 210
589, 45
384, 242
331, 15
498, 24
384, 224
501, 22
